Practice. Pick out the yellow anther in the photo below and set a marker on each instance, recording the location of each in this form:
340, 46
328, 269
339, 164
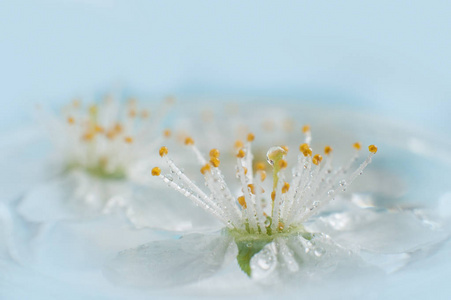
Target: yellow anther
99, 129
308, 152
111, 134
156, 171
251, 188
357, 146
281, 226
128, 139
145, 114
285, 148
88, 136
167, 133
76, 103
317, 159
205, 168
245, 170
262, 175
242, 201
70, 120
214, 153
304, 147
250, 137
285, 187
93, 109
163, 151
327, 150
189, 141
239, 144
372, 148
283, 164
132, 113
118, 128
241, 153
260, 166
215, 161
273, 195
305, 128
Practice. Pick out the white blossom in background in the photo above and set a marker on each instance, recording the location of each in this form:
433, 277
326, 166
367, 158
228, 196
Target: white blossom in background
100, 150
207, 122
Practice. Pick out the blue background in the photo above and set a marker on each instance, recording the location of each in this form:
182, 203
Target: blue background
387, 57
390, 58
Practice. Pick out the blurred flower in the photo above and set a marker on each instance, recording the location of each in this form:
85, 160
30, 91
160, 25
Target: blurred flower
101, 150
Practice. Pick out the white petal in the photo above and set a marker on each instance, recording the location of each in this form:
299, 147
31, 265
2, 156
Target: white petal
74, 195
69, 246
386, 239
164, 209
169, 262
387, 232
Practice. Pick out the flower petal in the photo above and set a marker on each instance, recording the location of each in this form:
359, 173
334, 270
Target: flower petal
393, 238
169, 262
167, 210
74, 195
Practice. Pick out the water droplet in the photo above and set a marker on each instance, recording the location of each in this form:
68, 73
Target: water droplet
267, 222
265, 259
273, 151
169, 177
249, 245
342, 182
319, 251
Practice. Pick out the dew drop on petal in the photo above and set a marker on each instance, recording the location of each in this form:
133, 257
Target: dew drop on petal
319, 251
265, 259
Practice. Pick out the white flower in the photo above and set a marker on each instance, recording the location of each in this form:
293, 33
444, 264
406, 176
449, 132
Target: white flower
269, 230
101, 150
313, 185
265, 223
